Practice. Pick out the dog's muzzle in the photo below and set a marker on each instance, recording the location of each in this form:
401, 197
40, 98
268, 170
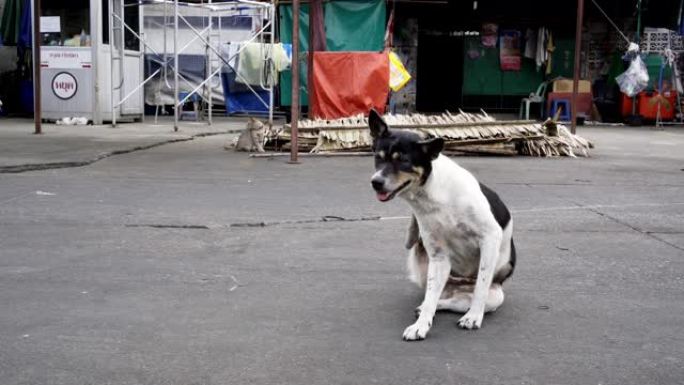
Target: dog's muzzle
382, 193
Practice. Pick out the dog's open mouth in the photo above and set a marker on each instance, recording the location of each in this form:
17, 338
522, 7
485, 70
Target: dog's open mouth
384, 196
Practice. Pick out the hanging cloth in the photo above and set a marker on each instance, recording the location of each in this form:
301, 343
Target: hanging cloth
509, 50
549, 54
349, 83
489, 35
540, 57
389, 32
25, 37
250, 68
9, 24
530, 44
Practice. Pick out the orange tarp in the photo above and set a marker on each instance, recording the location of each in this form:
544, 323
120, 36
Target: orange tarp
349, 83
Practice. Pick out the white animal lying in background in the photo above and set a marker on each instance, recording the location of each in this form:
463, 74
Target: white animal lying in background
75, 121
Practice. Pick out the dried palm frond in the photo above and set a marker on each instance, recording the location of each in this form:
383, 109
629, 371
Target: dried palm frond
462, 129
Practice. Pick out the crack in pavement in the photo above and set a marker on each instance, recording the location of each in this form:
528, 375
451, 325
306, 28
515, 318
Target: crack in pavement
649, 234
323, 219
16, 169
170, 226
578, 206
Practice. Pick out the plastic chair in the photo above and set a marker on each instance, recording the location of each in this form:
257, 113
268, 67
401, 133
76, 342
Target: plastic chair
535, 97
194, 99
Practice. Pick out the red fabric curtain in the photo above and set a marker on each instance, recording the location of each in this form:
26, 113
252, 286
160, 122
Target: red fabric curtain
349, 83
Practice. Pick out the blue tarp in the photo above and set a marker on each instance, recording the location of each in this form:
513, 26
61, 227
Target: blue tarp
25, 33
238, 101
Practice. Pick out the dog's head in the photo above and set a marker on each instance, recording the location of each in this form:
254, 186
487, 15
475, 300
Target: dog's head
403, 160
254, 124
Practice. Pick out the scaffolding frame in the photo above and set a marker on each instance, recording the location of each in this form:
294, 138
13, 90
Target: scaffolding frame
265, 34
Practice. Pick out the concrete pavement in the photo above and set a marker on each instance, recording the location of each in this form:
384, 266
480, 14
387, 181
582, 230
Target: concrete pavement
132, 271
75, 146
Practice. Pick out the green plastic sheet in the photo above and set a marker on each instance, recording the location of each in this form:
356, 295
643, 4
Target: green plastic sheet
350, 26
10, 22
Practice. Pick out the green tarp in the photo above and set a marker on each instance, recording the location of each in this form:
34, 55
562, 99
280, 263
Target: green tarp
10, 22
350, 26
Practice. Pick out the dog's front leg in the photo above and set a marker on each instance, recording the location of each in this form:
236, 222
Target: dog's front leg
439, 268
489, 254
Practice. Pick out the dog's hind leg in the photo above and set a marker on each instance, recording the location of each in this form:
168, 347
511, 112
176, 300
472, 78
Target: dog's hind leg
458, 298
459, 301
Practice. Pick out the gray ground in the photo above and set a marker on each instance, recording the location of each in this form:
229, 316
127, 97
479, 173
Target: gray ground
91, 293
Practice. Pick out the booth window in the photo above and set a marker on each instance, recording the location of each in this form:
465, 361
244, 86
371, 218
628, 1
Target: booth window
74, 23
131, 16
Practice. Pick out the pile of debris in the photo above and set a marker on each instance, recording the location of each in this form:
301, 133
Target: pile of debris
462, 132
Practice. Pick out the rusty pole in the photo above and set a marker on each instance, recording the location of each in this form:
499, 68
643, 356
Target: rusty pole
576, 75
294, 112
37, 118
309, 58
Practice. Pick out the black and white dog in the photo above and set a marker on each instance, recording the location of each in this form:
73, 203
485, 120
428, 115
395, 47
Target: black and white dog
460, 237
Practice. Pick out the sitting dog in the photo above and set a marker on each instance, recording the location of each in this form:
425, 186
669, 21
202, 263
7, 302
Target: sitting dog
460, 236
252, 138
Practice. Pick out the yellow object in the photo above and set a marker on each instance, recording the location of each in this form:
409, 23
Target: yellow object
549, 49
565, 85
398, 74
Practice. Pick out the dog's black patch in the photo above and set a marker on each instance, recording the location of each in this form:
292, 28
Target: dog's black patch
503, 217
497, 207
505, 272
513, 256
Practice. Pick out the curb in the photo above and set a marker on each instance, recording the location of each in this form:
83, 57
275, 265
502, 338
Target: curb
16, 169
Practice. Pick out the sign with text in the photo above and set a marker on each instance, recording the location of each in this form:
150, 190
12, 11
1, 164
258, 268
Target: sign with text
64, 85
50, 24
64, 58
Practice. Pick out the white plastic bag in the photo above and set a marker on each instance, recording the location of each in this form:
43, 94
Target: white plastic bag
635, 79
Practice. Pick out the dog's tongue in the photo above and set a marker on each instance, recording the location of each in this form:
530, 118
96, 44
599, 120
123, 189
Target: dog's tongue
383, 196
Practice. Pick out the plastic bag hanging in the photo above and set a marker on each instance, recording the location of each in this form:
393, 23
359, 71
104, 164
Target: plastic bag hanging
635, 79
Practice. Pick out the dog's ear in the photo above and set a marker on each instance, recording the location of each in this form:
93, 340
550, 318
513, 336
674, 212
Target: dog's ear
432, 147
378, 127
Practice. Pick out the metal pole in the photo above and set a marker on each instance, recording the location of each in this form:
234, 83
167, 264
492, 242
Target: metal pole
112, 45
209, 87
576, 76
122, 55
294, 149
272, 18
309, 61
637, 39
95, 21
37, 117
176, 65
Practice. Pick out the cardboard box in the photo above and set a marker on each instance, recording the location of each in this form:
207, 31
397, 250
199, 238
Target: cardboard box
565, 85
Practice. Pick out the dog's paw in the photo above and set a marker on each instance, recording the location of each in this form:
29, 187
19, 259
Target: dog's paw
417, 331
418, 310
471, 320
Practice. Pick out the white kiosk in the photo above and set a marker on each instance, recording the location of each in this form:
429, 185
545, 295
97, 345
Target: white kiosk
79, 75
